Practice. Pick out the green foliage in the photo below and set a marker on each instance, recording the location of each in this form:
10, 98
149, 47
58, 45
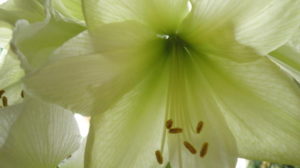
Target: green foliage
263, 164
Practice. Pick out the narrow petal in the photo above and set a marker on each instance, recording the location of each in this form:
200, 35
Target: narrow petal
35, 42
161, 15
266, 25
40, 136
261, 105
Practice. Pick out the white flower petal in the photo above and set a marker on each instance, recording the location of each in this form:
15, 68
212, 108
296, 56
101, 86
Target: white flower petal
10, 72
261, 105
77, 158
208, 16
268, 24
34, 43
129, 133
40, 136
288, 56
71, 9
13, 10
101, 79
161, 15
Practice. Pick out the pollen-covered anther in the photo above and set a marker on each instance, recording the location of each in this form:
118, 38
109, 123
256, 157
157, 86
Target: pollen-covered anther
4, 101
169, 124
1, 93
199, 127
159, 157
22, 94
190, 147
204, 149
175, 130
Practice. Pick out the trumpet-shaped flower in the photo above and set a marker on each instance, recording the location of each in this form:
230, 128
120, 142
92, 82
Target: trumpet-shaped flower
185, 82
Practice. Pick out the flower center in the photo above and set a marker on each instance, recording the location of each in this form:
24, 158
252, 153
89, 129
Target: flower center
174, 41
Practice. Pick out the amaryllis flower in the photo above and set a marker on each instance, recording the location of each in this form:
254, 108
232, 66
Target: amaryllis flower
188, 83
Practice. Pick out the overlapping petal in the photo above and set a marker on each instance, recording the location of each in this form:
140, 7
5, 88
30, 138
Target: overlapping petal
163, 16
101, 77
266, 25
71, 9
193, 106
34, 43
35, 134
208, 16
131, 84
31, 10
77, 158
262, 109
288, 56
131, 131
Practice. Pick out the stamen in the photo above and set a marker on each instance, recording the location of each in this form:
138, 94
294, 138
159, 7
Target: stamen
199, 127
204, 149
4, 101
159, 157
2, 92
175, 130
22, 94
169, 124
190, 147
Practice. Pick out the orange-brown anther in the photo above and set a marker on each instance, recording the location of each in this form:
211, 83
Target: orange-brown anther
175, 130
159, 157
4, 101
204, 149
190, 147
199, 127
169, 124
22, 94
2, 92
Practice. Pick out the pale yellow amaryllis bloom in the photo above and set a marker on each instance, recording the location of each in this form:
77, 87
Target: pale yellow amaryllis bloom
185, 82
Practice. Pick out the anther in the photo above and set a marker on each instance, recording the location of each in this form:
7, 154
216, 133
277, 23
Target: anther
190, 147
159, 157
199, 127
22, 94
204, 149
169, 124
4, 101
175, 130
2, 92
